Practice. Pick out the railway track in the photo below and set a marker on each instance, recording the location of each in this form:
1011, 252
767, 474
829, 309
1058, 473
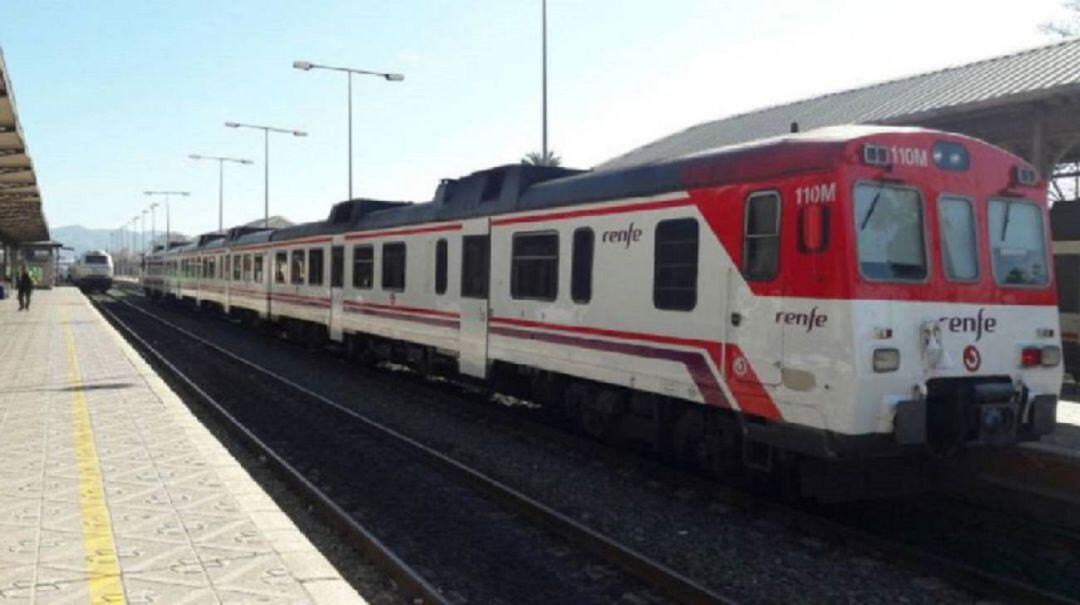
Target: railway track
971, 576
563, 542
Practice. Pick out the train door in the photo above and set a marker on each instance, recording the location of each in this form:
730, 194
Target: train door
752, 317
474, 301
337, 286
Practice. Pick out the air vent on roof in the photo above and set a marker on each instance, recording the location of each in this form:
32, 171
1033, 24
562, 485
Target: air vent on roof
493, 184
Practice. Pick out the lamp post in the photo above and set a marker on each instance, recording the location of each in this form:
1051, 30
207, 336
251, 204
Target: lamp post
389, 77
135, 247
543, 76
266, 159
166, 195
221, 180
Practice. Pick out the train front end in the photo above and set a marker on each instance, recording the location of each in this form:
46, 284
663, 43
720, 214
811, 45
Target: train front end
955, 329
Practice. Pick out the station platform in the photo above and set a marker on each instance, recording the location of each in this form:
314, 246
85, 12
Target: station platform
111, 491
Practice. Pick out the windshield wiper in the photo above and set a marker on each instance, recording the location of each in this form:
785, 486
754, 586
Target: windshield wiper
873, 206
1005, 223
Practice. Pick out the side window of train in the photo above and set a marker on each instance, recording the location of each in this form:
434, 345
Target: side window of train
675, 265
1067, 272
236, 267
581, 266
247, 267
761, 236
959, 253
315, 267
475, 266
363, 273
337, 266
296, 271
440, 266
813, 226
393, 266
257, 271
534, 266
281, 262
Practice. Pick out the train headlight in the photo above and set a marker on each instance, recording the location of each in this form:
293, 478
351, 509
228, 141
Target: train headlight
951, 156
1030, 357
886, 360
1051, 355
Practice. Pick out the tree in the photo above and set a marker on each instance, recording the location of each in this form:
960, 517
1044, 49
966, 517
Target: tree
1065, 28
548, 158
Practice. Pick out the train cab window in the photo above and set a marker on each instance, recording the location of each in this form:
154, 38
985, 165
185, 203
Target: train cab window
440, 266
761, 239
1067, 275
889, 230
534, 266
281, 263
581, 266
337, 266
257, 269
247, 267
315, 267
475, 265
363, 273
1017, 243
675, 265
393, 266
959, 253
296, 271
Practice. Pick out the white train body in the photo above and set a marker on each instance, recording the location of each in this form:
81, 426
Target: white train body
93, 270
767, 285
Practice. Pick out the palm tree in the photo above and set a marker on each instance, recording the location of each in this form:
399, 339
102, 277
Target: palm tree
539, 158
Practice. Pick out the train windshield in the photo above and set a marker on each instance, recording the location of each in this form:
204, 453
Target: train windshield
1017, 243
889, 226
97, 259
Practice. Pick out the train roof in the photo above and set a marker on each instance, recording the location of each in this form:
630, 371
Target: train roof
523, 187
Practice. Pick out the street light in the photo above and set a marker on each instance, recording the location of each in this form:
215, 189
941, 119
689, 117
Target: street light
543, 76
266, 159
168, 226
221, 179
389, 77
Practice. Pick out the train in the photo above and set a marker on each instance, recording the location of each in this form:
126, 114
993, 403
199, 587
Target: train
1065, 229
93, 270
851, 298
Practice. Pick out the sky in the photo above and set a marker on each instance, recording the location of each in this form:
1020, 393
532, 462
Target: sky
113, 95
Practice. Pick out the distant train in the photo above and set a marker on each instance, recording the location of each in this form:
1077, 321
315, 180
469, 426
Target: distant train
846, 295
93, 270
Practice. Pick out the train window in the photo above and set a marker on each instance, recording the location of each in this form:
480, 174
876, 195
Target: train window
247, 267
296, 272
475, 266
236, 268
211, 266
315, 267
257, 269
1017, 243
393, 266
761, 241
363, 272
675, 265
337, 266
1067, 274
889, 227
959, 253
281, 263
534, 266
440, 266
581, 266
813, 228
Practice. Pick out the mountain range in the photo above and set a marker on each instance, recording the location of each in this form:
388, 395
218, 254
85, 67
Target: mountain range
82, 238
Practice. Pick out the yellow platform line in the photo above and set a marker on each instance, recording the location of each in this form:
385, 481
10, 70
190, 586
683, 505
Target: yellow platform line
98, 544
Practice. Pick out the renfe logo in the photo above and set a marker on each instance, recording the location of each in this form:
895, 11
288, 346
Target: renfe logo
629, 235
811, 320
976, 325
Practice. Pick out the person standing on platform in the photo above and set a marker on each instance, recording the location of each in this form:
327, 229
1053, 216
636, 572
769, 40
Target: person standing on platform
25, 285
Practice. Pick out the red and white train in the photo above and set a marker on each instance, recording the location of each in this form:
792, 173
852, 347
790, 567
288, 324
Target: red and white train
849, 293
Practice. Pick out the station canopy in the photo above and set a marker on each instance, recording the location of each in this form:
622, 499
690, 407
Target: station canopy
21, 217
1027, 102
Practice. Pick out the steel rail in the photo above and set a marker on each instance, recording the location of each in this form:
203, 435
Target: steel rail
411, 581
652, 572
